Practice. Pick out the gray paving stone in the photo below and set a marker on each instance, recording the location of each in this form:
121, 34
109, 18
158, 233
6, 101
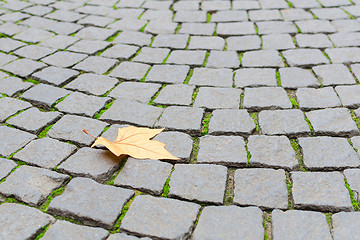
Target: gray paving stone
6, 167
168, 73
333, 122
34, 52
158, 15
79, 202
186, 5
178, 41
286, 225
199, 182
127, 3
65, 28
215, 5
15, 139
135, 91
283, 122
213, 98
10, 106
152, 55
313, 41
120, 51
40, 23
6, 58
266, 98
45, 152
271, 151
304, 57
273, 4
235, 28
277, 41
97, 21
95, 33
55, 75
89, 46
245, 5
175, 94
23, 67
229, 16
264, 15
44, 95
95, 64
306, 3
12, 86
276, 27
69, 128
317, 98
130, 71
14, 16
22, 222
64, 59
229, 222
271, 183
346, 25
65, 15
190, 16
177, 143
344, 55
329, 13
133, 38
294, 77
32, 185
293, 14
33, 35
66, 230
328, 153
334, 3
255, 77
186, 119
352, 177
123, 236
334, 74
353, 10
123, 13
212, 77
207, 43
161, 217
161, 27
262, 58
197, 28
82, 104
10, 29
355, 68
356, 142
92, 163
223, 59
315, 26
39, 120
349, 95
224, 150
243, 43
190, 57
145, 175
346, 225
38, 10
8, 44
324, 191
128, 24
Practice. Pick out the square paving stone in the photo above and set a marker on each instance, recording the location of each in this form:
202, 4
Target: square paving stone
271, 151
206, 29
271, 183
255, 77
135, 91
262, 58
223, 59
10, 106
120, 51
212, 77
36, 22
207, 43
276, 27
65, 28
128, 24
286, 225
334, 74
329, 13
344, 55
190, 16
9, 28
328, 153
177, 143
15, 139
345, 225
8, 45
283, 122
315, 26
175, 94
59, 42
145, 175
278, 41
131, 112
229, 222
333, 122
44, 95
64, 59
34, 52
304, 57
89, 46
82, 104
23, 67
32, 185
168, 73
313, 41
294, 77
92, 163
39, 120
188, 57
245, 5
66, 230
33, 35
95, 33
243, 43
6, 167
69, 128
199, 182
152, 55
352, 177
321, 191
45, 152
264, 15
346, 25
97, 21
344, 39
225, 150
78, 202
133, 38
212, 98
6, 58
266, 98
160, 217
187, 119
11, 86
178, 41
22, 222
164, 26
55, 75
316, 98
95, 64
130, 71
235, 28
65, 15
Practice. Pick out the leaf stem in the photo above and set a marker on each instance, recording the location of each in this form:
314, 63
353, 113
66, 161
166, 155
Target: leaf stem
85, 131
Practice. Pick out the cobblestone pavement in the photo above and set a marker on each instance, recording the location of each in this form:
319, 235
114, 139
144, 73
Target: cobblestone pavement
259, 98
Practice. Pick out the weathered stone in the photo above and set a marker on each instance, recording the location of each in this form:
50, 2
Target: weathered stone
334, 74
199, 182
206, 29
278, 41
98, 21
33, 35
7, 45
225, 150
266, 98
128, 24
133, 38
78, 202
345, 225
135, 91
175, 94
293, 14
10, 106
10, 29
262, 58
64, 59
89, 46
229, 222
178, 41
243, 43
349, 95
130, 71
294, 77
55, 75
13, 85
229, 16
255, 77
264, 15
346, 25
64, 28
190, 57
207, 43
235, 28
32, 185
161, 217
15, 139
316, 98
315, 26
6, 167
59, 42
190, 16
65, 15
120, 51
276, 27
352, 178
6, 58
95, 33
324, 191
223, 59
344, 55
95, 64
161, 26
167, 73
34, 52
304, 57
23, 67
313, 41
152, 55
213, 98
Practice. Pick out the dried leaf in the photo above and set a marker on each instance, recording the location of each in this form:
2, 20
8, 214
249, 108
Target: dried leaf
137, 143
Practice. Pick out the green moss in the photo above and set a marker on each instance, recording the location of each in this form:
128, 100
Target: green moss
208, 17
354, 199
167, 186
248, 153
327, 56
43, 133
189, 76
278, 79
164, 61
298, 154
310, 126
54, 194
195, 150
289, 186
32, 81
195, 93
241, 55
356, 120
43, 231
177, 29
242, 95
294, 102
205, 124
107, 106
206, 59
328, 220
111, 180
111, 39
267, 224
60, 100
143, 28
147, 72
256, 121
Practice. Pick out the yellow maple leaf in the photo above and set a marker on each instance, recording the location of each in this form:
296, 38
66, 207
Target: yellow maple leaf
137, 143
